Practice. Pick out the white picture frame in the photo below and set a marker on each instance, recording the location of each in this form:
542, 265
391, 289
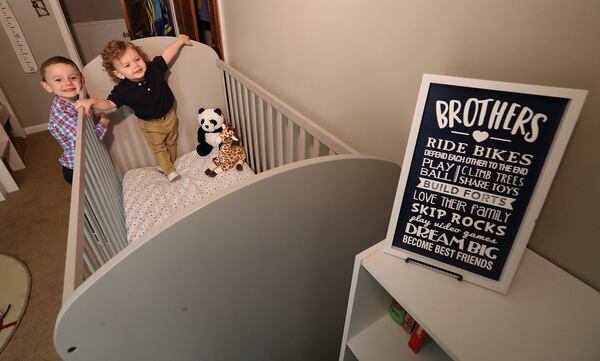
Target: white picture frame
496, 208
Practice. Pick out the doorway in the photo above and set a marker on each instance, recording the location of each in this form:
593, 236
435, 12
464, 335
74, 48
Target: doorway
133, 19
146, 18
199, 19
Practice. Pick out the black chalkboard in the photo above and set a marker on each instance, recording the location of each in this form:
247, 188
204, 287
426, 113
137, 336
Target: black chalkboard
477, 158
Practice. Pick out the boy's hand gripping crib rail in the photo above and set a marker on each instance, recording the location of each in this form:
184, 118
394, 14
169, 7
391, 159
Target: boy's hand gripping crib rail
258, 272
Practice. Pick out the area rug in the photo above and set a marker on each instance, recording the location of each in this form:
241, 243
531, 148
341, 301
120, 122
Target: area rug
14, 293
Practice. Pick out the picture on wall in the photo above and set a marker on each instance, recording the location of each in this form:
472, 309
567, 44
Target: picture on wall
479, 162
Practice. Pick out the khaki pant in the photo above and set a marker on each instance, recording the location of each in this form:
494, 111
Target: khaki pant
161, 135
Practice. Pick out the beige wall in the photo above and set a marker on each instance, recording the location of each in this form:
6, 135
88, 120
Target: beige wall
79, 11
29, 101
355, 68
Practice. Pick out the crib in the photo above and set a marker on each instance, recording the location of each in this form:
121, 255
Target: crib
259, 270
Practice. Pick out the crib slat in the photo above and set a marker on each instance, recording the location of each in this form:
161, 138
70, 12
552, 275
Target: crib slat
270, 146
108, 177
289, 141
248, 128
254, 130
88, 263
279, 138
101, 182
242, 117
86, 272
260, 118
99, 207
113, 194
314, 147
301, 151
113, 179
89, 237
91, 257
254, 127
231, 115
101, 228
235, 103
248, 118
95, 234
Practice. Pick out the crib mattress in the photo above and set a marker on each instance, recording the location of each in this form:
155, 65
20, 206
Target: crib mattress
149, 198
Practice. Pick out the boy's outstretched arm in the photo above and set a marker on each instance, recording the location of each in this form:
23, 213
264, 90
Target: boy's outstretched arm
97, 104
172, 50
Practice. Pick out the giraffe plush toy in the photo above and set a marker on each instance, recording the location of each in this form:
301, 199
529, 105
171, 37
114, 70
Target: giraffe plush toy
229, 155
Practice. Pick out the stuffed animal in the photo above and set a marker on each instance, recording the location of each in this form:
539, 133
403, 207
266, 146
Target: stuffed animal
211, 125
229, 155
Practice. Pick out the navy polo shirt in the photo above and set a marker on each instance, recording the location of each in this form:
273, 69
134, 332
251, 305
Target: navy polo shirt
150, 98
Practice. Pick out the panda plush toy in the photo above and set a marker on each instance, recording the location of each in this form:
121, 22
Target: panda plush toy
211, 125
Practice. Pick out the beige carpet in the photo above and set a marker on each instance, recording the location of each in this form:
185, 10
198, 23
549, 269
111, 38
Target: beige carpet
33, 228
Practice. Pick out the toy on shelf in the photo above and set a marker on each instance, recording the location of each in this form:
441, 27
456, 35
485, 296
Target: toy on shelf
397, 312
211, 124
417, 337
230, 154
409, 323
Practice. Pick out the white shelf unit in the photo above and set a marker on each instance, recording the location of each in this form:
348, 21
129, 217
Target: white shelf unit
547, 314
9, 158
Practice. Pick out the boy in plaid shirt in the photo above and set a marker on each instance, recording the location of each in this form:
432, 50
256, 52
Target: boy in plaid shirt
61, 77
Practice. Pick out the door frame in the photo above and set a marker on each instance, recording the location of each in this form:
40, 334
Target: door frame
63, 26
185, 7
65, 32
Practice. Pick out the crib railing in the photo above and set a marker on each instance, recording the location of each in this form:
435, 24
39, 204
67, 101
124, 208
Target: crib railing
273, 134
96, 231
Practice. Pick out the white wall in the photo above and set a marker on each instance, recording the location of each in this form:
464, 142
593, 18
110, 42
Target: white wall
355, 68
78, 11
92, 36
29, 101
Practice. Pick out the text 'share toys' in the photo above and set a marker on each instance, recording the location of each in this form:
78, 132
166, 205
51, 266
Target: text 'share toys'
229, 155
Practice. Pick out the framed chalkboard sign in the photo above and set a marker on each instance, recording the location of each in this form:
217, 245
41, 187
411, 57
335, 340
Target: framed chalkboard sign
478, 165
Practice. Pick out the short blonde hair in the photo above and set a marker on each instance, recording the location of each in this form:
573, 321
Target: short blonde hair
115, 50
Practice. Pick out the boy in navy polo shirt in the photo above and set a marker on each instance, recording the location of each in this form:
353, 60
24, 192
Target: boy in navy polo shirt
142, 86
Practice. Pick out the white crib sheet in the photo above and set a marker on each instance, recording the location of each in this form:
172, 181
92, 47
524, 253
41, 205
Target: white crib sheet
149, 198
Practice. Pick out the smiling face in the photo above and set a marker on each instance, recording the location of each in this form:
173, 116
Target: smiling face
130, 65
63, 80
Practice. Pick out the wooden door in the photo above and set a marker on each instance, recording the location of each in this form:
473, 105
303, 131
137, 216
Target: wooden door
215, 27
135, 18
145, 18
186, 13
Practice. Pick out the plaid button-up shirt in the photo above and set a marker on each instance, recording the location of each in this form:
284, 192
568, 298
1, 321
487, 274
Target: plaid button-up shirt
63, 127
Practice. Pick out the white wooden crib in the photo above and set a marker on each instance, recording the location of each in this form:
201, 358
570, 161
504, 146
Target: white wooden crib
259, 270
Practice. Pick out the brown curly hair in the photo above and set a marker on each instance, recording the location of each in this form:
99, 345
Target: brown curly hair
113, 51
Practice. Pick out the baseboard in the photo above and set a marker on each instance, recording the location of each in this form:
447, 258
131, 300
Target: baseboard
36, 128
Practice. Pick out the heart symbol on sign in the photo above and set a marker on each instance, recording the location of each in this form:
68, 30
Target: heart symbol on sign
480, 136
